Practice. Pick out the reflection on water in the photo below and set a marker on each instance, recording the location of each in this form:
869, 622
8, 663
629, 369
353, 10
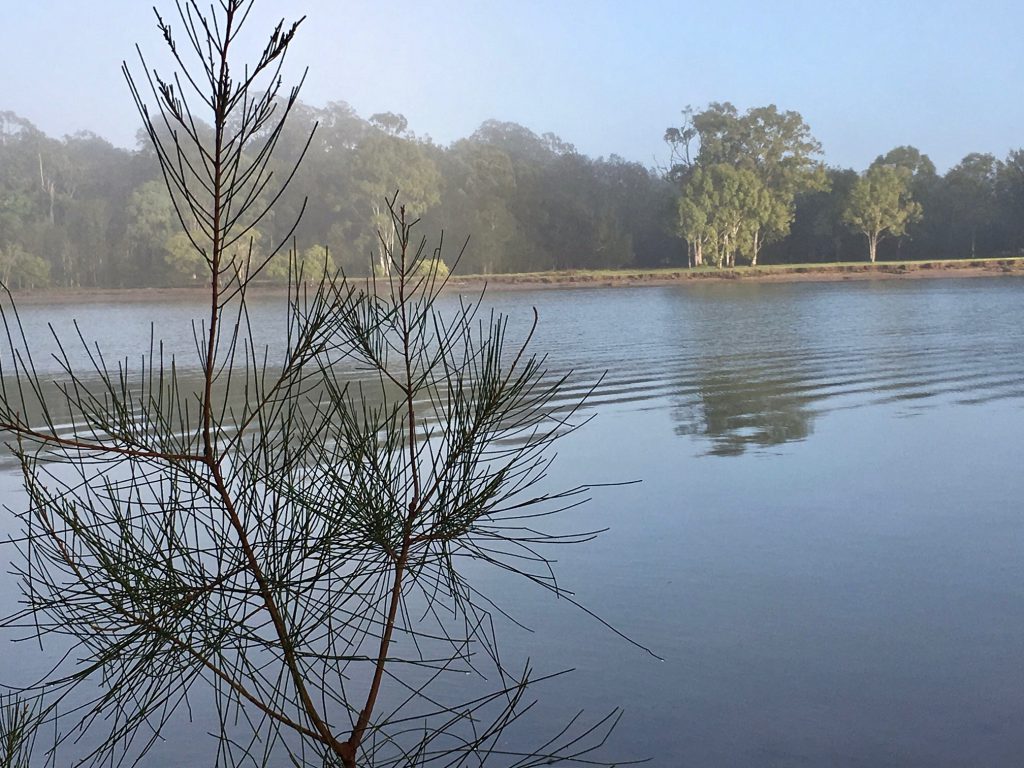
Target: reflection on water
737, 409
743, 367
736, 367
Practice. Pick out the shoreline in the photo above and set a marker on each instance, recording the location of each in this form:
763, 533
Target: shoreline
776, 273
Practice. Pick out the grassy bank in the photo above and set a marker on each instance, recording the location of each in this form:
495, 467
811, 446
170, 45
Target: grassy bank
777, 273
834, 271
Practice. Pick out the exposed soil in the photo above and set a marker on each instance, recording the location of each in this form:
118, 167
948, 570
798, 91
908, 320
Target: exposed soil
769, 274
586, 279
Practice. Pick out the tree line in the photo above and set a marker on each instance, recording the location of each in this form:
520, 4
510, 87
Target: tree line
751, 187
741, 188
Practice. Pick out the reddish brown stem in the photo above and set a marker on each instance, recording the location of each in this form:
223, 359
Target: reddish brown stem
401, 562
210, 452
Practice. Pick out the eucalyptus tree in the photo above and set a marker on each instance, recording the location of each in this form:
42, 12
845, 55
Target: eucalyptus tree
919, 166
555, 197
719, 209
777, 147
880, 205
971, 185
518, 141
22, 208
289, 534
323, 188
928, 236
20, 269
391, 123
382, 163
695, 229
532, 197
480, 183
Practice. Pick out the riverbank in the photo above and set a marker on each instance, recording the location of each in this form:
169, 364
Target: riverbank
774, 273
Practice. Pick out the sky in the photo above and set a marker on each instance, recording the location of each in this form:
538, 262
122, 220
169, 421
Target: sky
609, 76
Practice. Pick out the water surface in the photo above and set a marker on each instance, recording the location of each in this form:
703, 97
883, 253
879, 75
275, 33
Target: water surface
825, 547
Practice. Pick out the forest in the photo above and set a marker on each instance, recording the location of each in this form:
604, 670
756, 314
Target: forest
740, 188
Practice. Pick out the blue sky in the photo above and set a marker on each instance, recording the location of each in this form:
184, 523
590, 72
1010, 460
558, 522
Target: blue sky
608, 76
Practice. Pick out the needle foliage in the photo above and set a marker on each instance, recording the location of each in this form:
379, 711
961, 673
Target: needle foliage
289, 529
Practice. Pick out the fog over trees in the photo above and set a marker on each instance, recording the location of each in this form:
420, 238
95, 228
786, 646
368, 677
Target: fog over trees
741, 188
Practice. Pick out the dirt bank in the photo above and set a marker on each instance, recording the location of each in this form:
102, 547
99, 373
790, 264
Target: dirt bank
591, 279
768, 274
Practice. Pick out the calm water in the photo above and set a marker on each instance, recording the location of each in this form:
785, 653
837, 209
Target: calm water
826, 545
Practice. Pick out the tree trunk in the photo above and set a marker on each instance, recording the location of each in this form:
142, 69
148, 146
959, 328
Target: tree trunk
755, 249
48, 187
872, 247
385, 240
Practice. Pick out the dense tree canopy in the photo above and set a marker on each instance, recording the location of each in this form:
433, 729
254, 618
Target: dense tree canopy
807, 212
742, 188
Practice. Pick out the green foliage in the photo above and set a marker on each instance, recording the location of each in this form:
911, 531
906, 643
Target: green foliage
527, 201
722, 209
183, 264
382, 164
19, 725
22, 270
818, 232
880, 205
481, 182
972, 187
772, 153
917, 164
311, 265
1010, 199
98, 215
434, 267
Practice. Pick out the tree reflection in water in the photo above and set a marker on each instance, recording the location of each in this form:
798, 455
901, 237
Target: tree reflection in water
737, 408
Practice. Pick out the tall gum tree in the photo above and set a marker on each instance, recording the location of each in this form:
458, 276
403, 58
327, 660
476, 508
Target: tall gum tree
383, 164
880, 205
925, 237
775, 146
717, 210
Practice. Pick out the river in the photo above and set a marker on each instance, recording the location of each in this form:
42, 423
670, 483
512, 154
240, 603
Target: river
825, 544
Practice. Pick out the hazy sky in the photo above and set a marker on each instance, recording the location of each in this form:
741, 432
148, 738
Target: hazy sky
606, 75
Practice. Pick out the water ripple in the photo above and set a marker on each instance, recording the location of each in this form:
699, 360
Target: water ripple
737, 366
